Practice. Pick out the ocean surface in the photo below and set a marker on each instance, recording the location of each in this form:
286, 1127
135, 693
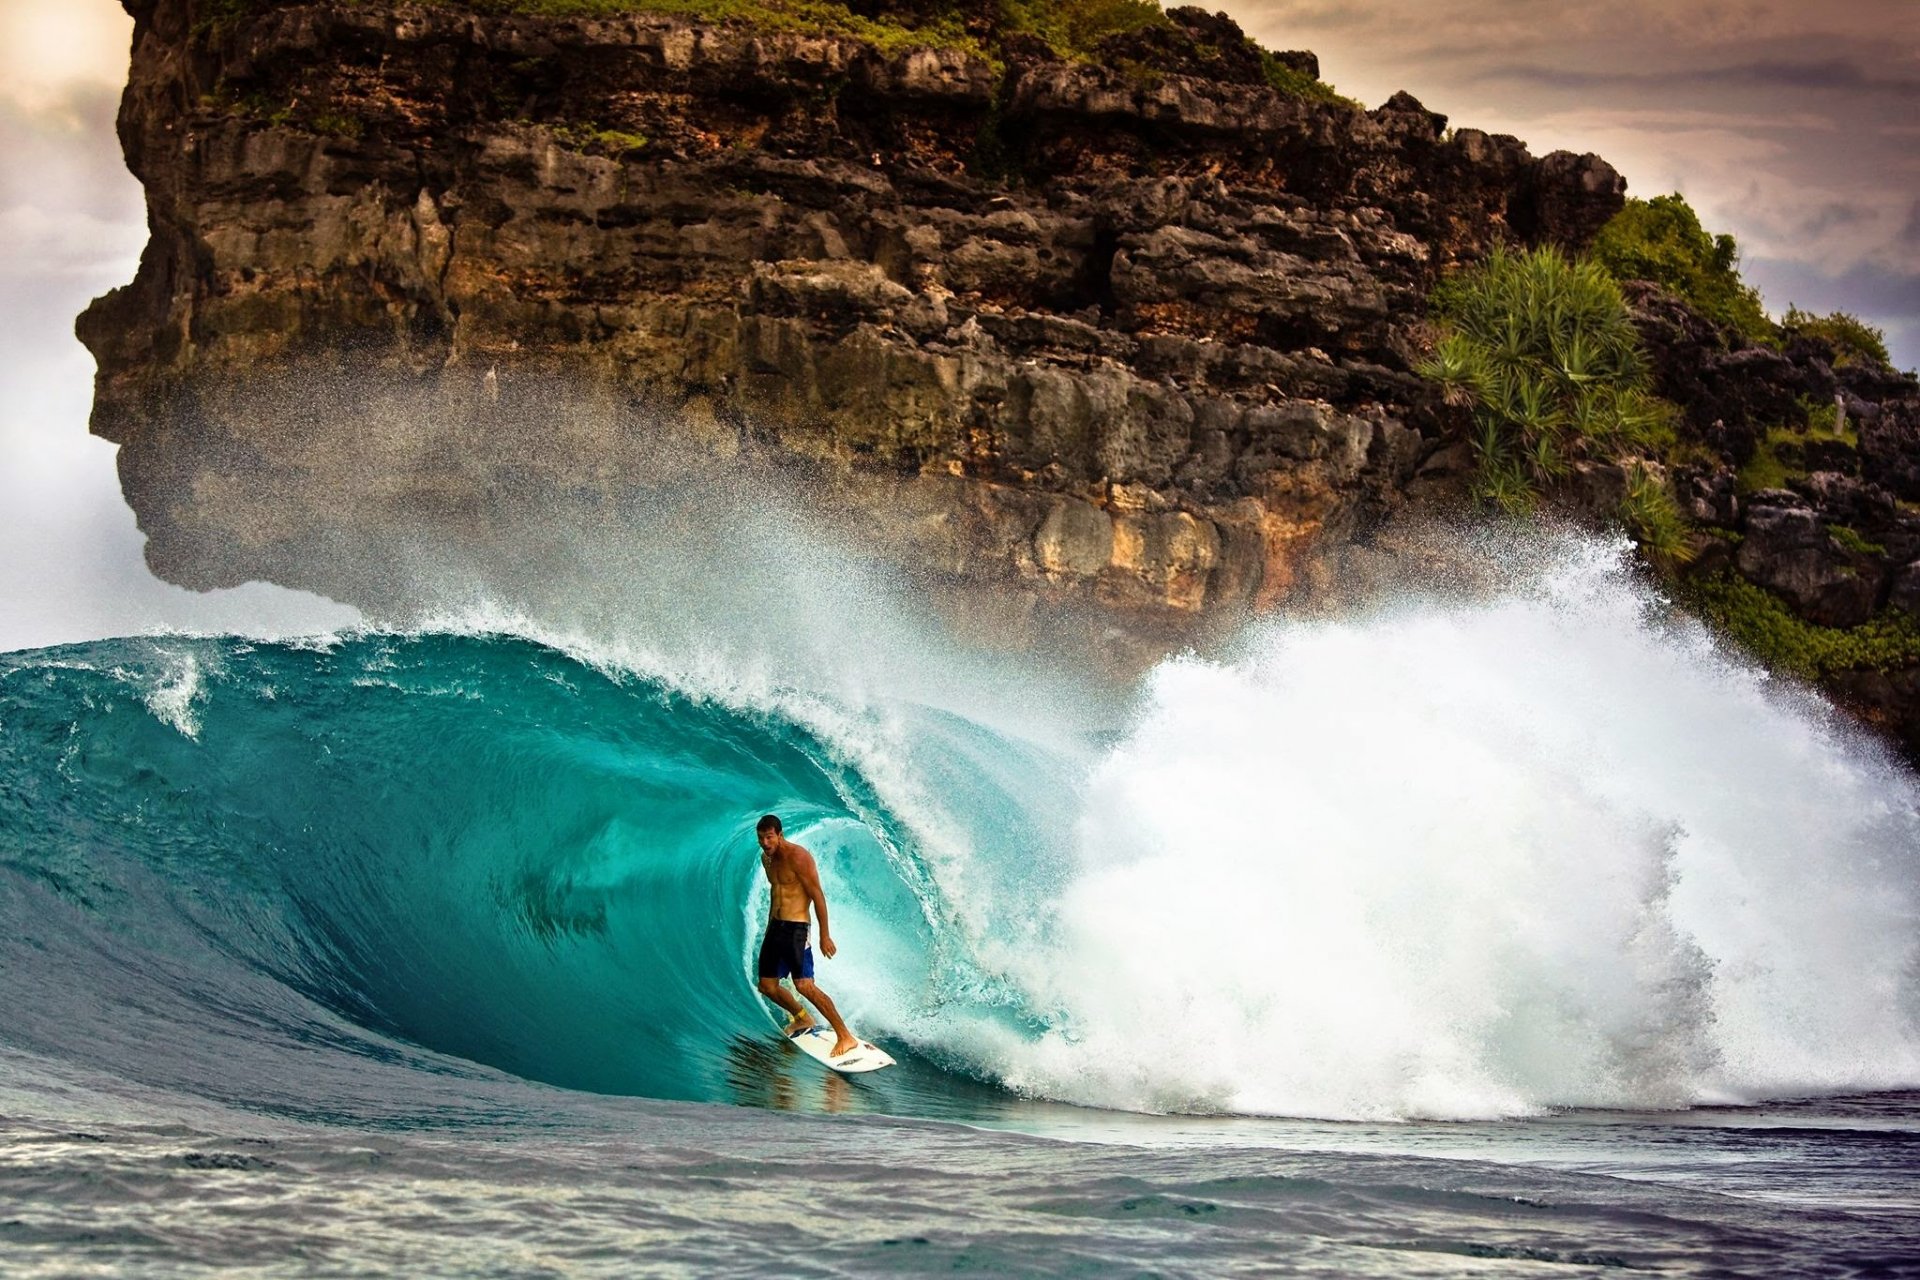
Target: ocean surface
1515, 931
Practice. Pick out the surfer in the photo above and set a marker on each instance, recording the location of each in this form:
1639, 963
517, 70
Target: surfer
795, 881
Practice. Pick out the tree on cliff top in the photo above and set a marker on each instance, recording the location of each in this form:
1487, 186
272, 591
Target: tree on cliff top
1661, 240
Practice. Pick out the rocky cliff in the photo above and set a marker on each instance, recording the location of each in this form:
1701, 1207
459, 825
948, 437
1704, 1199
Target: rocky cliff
1137, 330
1132, 332
1806, 485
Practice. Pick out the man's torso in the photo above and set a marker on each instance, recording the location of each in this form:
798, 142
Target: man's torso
783, 877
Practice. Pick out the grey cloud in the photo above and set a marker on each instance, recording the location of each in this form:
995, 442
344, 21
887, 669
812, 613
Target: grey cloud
1825, 74
1882, 296
70, 209
1830, 73
56, 159
1750, 123
1828, 217
1873, 290
1910, 234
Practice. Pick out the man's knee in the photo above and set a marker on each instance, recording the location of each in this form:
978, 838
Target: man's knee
769, 986
805, 987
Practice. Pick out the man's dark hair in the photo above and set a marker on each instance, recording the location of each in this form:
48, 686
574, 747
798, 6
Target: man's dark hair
771, 823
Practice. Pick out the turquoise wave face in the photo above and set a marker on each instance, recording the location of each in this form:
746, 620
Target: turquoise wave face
475, 845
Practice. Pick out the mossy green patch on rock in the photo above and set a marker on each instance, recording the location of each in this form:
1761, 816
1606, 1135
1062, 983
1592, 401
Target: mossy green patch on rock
1853, 540
1780, 454
1766, 469
591, 137
337, 124
282, 113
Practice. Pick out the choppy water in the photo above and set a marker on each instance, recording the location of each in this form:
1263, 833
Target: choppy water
429, 952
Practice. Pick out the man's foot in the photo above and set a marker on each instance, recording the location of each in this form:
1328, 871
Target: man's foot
845, 1044
796, 1024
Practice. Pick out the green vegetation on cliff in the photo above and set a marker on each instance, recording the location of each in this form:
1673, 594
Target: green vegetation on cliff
1764, 625
1298, 84
1654, 518
1076, 27
1780, 455
1542, 349
1662, 240
822, 17
1852, 340
886, 32
1070, 29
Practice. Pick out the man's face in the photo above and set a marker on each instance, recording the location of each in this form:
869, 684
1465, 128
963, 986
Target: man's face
769, 840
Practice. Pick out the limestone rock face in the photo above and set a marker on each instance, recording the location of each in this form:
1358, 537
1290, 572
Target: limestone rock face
1788, 549
1135, 332
1840, 542
1890, 447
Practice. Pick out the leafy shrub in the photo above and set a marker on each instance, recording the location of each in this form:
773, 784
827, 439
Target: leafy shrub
1764, 625
1075, 27
1652, 515
1542, 348
1298, 84
1662, 240
1853, 340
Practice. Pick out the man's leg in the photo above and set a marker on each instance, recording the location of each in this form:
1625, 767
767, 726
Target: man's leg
798, 1018
821, 1001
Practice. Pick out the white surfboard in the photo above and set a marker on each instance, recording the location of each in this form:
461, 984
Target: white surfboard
817, 1042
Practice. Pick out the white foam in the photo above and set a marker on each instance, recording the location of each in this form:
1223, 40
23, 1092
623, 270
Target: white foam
1458, 860
174, 693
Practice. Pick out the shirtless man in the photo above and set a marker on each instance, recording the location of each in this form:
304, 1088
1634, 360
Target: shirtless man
796, 886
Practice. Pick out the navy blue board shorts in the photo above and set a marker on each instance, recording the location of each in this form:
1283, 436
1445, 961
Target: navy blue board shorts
785, 953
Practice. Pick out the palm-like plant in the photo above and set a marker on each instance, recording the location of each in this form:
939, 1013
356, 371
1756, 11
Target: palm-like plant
1655, 519
1542, 348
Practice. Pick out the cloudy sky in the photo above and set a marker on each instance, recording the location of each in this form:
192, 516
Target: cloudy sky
71, 227
1796, 126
